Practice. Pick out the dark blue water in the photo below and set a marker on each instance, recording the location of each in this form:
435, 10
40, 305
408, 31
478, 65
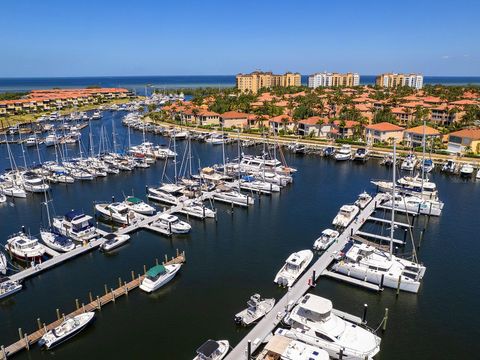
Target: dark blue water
138, 83
239, 255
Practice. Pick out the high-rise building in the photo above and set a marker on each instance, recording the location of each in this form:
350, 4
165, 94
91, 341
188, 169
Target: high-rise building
256, 80
333, 79
391, 80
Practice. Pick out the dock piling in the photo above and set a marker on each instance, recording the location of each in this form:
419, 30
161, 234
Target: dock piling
39, 323
27, 343
99, 305
133, 274
58, 314
90, 297
105, 288
385, 320
144, 269
249, 350
20, 333
398, 284
120, 282
4, 354
77, 304
156, 261
364, 316
113, 294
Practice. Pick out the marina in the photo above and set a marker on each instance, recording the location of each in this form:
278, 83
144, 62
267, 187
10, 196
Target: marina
228, 216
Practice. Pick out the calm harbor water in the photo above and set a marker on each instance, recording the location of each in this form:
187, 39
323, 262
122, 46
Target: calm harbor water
138, 83
229, 260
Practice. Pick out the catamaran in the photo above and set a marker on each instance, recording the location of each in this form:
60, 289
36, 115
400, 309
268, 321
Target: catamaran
282, 348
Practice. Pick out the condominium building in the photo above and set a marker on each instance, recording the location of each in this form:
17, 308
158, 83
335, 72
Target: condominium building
392, 80
333, 79
256, 80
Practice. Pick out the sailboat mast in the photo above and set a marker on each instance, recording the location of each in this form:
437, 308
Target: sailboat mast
392, 224
223, 152
423, 156
175, 156
90, 138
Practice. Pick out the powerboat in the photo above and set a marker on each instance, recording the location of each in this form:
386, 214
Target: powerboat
31, 141
67, 329
212, 350
409, 162
363, 200
346, 215
97, 115
329, 151
294, 266
25, 247
361, 154
314, 321
172, 223
9, 287
367, 263
167, 193
450, 166
3, 263
158, 276
232, 196
281, 348
51, 140
32, 182
466, 170
408, 185
139, 206
344, 153
196, 209
113, 241
216, 139
427, 166
326, 239
478, 174
75, 225
56, 241
257, 308
387, 160
117, 212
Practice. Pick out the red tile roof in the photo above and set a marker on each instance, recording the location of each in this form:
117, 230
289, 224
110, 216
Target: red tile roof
281, 119
419, 130
314, 120
473, 134
385, 127
348, 123
234, 115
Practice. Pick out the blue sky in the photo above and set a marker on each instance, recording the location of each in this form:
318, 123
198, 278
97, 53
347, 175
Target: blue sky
102, 37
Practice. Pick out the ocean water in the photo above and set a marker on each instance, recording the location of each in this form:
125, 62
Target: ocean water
142, 84
229, 260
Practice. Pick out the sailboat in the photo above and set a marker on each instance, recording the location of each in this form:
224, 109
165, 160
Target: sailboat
368, 263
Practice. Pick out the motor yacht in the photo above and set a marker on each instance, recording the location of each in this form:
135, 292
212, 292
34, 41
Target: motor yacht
212, 350
363, 200
314, 321
282, 348
67, 329
294, 266
326, 239
232, 196
427, 166
450, 166
75, 225
172, 223
329, 151
116, 212
409, 162
466, 170
362, 154
31, 141
113, 241
97, 115
158, 276
32, 182
167, 193
51, 140
257, 307
25, 247
139, 206
197, 209
415, 204
216, 139
344, 153
346, 215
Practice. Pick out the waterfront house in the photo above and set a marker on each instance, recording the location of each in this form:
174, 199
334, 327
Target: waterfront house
206, 117
463, 141
383, 132
314, 126
344, 129
413, 136
234, 119
281, 122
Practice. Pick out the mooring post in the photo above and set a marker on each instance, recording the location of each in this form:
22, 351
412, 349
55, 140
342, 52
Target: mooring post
77, 304
166, 258
126, 288
113, 294
63, 316
39, 323
90, 296
156, 261
385, 320
314, 282
4, 354
20, 333
144, 269
398, 285
99, 304
133, 274
27, 344
83, 307
105, 288
58, 314
249, 350
364, 317
421, 238
119, 282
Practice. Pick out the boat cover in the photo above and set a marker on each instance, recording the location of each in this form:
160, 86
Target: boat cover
156, 270
208, 348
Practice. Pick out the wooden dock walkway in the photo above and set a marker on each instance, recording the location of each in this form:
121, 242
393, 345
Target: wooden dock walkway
27, 340
265, 326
